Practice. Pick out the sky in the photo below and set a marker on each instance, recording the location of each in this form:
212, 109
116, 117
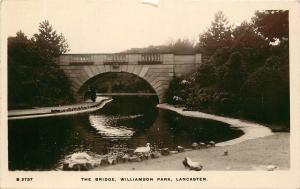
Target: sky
110, 26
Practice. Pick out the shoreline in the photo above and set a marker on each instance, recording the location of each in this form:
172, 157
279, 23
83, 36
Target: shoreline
58, 110
257, 149
251, 130
250, 155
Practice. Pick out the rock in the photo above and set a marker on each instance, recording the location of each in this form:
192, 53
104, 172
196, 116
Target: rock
212, 143
87, 166
66, 167
208, 146
119, 159
134, 158
96, 163
81, 167
104, 161
202, 145
143, 156
195, 146
75, 167
112, 160
173, 152
125, 158
165, 151
155, 154
180, 149
130, 152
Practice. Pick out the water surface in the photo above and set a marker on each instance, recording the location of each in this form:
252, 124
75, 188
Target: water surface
43, 143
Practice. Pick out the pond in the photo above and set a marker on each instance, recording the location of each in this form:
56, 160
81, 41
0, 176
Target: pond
44, 143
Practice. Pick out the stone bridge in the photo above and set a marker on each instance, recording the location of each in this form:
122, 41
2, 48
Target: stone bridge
156, 69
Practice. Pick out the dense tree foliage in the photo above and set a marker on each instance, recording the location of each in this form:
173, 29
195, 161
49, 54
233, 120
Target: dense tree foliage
218, 35
33, 77
272, 24
245, 71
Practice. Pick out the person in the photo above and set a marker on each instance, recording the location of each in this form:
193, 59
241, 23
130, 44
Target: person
93, 95
87, 94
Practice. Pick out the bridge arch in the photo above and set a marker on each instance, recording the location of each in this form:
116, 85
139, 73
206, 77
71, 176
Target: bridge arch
93, 81
153, 76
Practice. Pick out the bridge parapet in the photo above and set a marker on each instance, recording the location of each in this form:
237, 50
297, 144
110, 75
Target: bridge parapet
122, 58
116, 58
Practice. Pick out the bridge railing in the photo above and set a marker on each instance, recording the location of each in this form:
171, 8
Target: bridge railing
115, 58
81, 60
150, 58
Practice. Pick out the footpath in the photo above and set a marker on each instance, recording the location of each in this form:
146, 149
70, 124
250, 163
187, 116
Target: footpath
59, 110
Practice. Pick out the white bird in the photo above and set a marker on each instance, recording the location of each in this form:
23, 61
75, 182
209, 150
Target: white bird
80, 157
143, 149
187, 162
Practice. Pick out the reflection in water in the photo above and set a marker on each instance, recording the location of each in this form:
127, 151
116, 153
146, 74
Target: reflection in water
102, 124
42, 144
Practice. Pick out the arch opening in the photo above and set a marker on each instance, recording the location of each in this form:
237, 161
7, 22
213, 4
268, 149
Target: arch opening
120, 83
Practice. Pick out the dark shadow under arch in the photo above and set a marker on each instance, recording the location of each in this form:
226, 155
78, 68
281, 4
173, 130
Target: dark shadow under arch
116, 82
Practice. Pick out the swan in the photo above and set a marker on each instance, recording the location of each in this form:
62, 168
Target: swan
187, 162
81, 156
143, 149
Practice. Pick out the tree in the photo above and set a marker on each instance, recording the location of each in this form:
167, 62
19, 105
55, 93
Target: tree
205, 75
245, 71
182, 46
217, 36
272, 24
47, 39
245, 37
263, 94
34, 78
231, 74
